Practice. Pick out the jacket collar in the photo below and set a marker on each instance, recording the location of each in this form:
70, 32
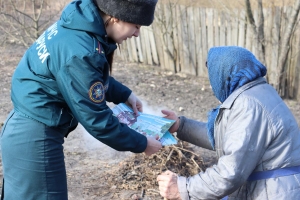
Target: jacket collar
107, 44
229, 101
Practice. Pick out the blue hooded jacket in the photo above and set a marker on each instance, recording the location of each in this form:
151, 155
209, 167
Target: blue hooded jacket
63, 79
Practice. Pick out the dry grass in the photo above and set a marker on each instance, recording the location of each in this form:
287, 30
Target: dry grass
139, 172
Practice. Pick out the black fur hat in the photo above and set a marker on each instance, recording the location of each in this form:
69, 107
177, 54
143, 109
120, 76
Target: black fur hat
139, 12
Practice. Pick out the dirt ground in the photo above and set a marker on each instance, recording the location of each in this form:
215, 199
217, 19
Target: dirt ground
96, 171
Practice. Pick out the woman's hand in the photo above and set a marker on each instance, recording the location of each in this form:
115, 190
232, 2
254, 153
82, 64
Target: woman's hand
173, 116
168, 187
135, 103
153, 146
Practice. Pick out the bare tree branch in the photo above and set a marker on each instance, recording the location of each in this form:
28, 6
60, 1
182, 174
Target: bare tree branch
24, 21
285, 45
20, 12
258, 30
261, 25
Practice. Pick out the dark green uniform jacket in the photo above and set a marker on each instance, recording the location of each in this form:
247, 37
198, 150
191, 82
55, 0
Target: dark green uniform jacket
63, 79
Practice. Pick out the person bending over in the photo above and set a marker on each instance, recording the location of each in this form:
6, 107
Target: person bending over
64, 79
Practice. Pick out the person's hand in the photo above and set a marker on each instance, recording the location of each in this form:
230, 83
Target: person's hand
153, 146
168, 187
171, 115
135, 103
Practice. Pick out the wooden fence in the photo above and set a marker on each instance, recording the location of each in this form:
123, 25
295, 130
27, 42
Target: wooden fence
181, 36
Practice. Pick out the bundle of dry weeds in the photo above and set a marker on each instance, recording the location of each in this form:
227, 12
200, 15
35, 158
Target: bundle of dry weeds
139, 172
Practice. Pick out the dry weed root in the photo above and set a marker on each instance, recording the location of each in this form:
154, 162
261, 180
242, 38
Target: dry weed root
138, 173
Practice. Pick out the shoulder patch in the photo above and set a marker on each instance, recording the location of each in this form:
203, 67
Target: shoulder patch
96, 92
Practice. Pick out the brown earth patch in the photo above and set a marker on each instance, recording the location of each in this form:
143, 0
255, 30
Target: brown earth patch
96, 171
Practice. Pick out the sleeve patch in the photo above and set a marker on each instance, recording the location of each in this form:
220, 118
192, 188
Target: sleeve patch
96, 92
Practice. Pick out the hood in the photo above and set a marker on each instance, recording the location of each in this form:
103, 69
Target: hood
83, 15
231, 67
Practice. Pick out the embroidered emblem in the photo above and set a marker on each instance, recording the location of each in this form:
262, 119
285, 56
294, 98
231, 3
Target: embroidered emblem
96, 92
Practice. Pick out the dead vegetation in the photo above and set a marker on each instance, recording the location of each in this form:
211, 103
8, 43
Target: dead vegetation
23, 21
139, 173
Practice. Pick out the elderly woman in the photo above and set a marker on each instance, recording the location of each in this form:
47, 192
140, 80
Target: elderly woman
64, 79
253, 132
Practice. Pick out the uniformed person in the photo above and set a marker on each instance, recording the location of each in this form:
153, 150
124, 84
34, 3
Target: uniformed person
64, 79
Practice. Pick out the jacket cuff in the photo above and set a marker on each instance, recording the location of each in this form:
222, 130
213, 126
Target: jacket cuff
142, 144
182, 120
181, 183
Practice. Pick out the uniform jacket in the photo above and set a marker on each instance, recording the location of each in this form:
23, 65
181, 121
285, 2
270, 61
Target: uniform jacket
63, 79
254, 131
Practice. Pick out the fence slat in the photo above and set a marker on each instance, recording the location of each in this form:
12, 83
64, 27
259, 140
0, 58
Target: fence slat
229, 29
176, 38
222, 29
128, 45
139, 49
143, 43
268, 35
198, 42
157, 29
216, 28
297, 61
241, 22
133, 50
285, 12
148, 46
153, 47
185, 40
249, 35
181, 36
255, 42
210, 27
275, 45
235, 27
204, 45
169, 43
192, 68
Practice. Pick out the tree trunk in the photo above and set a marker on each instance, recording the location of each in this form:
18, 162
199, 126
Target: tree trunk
258, 30
285, 47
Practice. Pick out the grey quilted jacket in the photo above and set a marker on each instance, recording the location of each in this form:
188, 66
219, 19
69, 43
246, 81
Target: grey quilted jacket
254, 131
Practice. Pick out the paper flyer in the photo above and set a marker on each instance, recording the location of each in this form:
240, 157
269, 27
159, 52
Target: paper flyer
146, 124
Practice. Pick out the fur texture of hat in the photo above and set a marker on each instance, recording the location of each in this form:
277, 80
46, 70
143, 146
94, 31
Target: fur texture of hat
139, 12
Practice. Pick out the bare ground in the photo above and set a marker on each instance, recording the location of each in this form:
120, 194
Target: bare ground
96, 171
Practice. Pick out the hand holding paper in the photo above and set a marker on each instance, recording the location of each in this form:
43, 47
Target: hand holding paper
153, 146
146, 124
171, 115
